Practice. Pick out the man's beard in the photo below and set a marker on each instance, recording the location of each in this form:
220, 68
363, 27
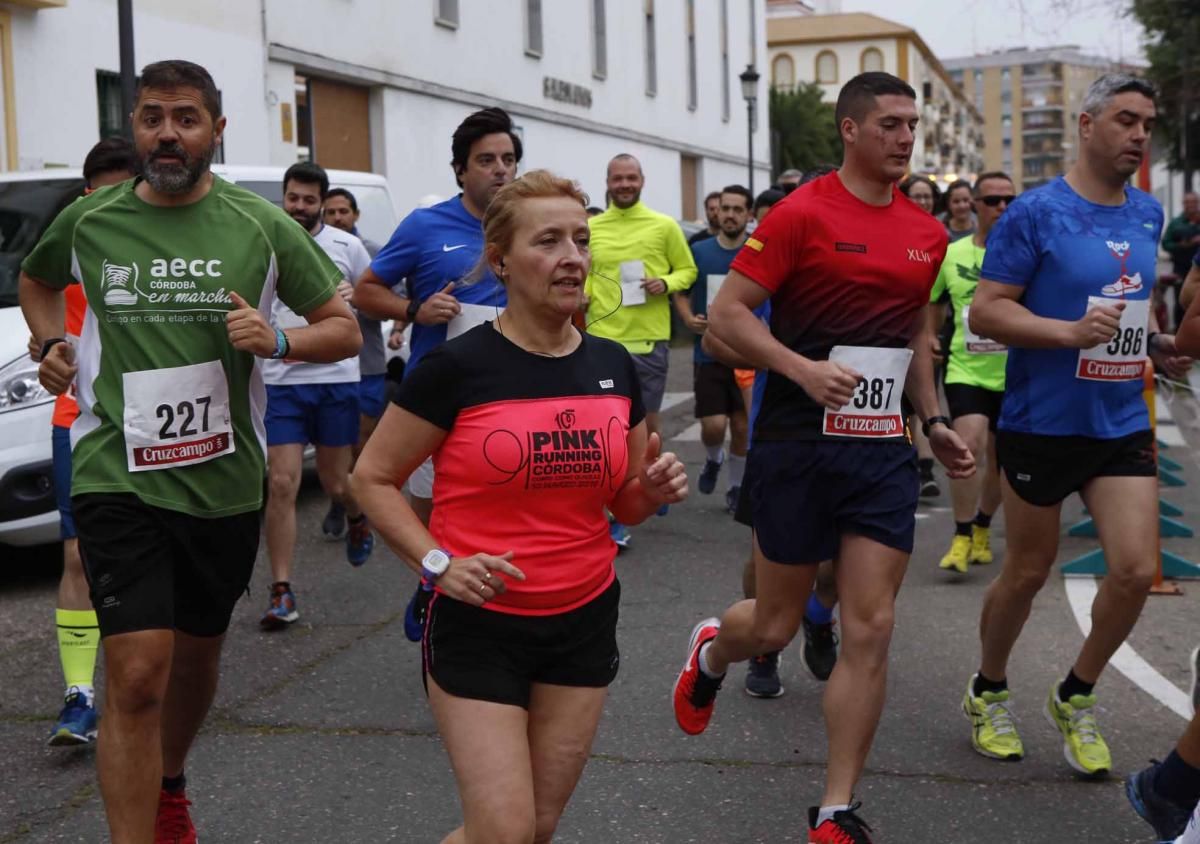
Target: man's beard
176, 178
630, 204
309, 221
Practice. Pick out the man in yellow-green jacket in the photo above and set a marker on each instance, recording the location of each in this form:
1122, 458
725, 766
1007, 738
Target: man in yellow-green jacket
639, 258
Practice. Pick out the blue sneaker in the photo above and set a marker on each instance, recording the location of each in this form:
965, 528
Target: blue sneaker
282, 610
619, 534
708, 476
77, 721
359, 541
663, 510
414, 613
1168, 819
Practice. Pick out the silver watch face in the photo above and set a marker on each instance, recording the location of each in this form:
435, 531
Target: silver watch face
436, 561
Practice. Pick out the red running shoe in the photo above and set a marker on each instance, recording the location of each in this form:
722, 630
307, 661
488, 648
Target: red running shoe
695, 691
845, 827
173, 824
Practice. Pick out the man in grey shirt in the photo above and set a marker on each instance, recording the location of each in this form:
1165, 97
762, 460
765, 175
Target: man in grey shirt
341, 211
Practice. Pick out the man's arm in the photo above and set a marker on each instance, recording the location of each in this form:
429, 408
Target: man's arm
375, 297
332, 333
948, 447
1190, 285
683, 265
719, 351
997, 313
731, 319
43, 307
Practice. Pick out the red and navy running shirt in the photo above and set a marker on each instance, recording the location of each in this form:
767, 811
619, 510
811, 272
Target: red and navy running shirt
840, 272
536, 449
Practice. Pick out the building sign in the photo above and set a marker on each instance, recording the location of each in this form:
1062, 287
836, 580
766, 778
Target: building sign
566, 92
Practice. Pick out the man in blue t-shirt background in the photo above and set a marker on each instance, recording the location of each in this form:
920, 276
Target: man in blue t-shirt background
437, 251
1066, 284
719, 401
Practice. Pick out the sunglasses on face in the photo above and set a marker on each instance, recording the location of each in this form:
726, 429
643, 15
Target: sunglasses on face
993, 201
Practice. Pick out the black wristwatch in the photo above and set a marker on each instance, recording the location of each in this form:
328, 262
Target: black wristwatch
933, 420
410, 313
46, 346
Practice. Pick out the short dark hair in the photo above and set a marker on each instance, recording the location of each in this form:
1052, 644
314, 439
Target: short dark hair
307, 173
486, 121
109, 156
857, 97
345, 193
737, 190
990, 174
715, 194
623, 156
177, 73
768, 198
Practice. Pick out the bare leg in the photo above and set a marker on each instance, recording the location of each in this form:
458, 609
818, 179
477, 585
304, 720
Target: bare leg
989, 496
712, 430
333, 470
73, 587
965, 492
869, 576
1126, 514
562, 725
129, 756
195, 669
1028, 557
766, 623
284, 464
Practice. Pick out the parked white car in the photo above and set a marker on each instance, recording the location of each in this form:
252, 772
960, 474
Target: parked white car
28, 202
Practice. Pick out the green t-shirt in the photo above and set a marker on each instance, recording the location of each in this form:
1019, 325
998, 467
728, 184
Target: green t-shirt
169, 411
973, 360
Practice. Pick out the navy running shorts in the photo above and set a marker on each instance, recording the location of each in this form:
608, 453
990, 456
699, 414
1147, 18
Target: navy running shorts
806, 494
372, 395
61, 443
321, 414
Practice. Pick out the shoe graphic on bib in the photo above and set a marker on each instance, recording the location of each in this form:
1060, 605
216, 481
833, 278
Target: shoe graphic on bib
1124, 285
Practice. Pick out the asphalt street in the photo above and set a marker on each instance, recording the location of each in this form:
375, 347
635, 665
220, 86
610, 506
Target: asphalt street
321, 733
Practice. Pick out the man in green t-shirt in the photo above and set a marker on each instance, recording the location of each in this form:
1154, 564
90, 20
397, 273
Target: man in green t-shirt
974, 378
179, 269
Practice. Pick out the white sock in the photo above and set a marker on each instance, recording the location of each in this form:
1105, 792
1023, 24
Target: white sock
737, 468
826, 813
716, 453
703, 661
89, 693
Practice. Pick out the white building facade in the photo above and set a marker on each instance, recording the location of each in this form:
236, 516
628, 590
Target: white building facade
381, 84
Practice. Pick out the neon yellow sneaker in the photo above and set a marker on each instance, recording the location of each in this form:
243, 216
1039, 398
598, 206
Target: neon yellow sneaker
981, 545
959, 554
1083, 746
993, 726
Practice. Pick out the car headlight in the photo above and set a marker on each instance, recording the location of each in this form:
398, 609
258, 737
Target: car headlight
19, 386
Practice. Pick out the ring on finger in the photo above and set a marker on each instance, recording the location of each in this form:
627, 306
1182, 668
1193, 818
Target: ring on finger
482, 586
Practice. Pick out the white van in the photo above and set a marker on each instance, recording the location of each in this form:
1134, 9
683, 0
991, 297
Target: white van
28, 202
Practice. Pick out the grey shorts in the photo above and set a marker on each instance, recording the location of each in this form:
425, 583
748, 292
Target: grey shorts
652, 373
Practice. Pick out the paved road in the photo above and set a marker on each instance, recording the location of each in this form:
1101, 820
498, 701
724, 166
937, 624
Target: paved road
322, 734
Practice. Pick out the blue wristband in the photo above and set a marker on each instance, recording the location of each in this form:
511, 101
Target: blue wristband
282, 347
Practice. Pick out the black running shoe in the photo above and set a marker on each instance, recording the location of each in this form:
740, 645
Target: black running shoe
1168, 819
762, 680
845, 827
820, 649
334, 523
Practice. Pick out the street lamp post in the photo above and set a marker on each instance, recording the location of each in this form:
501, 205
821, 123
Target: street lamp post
749, 78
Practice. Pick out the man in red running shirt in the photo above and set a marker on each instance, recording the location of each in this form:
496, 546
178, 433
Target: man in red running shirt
848, 263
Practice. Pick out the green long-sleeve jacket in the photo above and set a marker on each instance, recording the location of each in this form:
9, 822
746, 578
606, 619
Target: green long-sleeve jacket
1175, 243
635, 234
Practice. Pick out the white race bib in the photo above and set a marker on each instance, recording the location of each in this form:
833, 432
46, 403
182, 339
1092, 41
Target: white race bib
632, 292
177, 416
1124, 357
714, 284
874, 409
469, 317
975, 344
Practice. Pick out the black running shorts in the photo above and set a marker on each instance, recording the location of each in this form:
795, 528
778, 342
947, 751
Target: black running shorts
481, 654
150, 568
716, 389
967, 399
1044, 470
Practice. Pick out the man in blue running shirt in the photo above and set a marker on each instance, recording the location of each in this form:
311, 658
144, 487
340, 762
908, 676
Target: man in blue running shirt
1066, 284
436, 250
